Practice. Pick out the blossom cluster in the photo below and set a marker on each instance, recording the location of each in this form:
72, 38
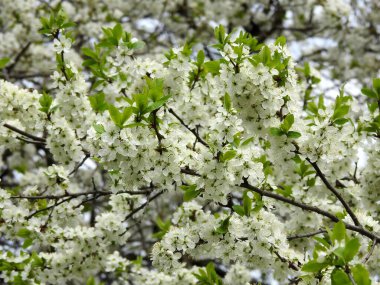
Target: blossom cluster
180, 167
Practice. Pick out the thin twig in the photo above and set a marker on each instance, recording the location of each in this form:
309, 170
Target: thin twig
79, 164
18, 57
142, 206
368, 256
306, 235
75, 195
194, 131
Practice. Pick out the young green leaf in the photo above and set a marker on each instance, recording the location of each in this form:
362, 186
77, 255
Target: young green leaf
339, 231
223, 226
99, 128
376, 86
360, 275
227, 102
339, 277
369, 93
247, 204
313, 266
119, 118
228, 155
293, 135
45, 102
98, 102
280, 41
276, 132
191, 192
238, 210
351, 249
4, 61
287, 123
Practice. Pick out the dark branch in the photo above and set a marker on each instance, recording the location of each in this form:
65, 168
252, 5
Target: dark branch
309, 208
35, 138
307, 235
194, 131
334, 191
142, 206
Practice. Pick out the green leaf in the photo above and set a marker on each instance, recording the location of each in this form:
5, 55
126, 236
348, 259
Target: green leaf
45, 102
99, 128
339, 277
200, 58
287, 123
307, 69
191, 192
369, 93
163, 226
89, 53
90, 281
156, 105
37, 261
313, 266
190, 195
27, 242
228, 155
339, 231
239, 210
98, 102
341, 121
351, 249
259, 204
223, 227
265, 54
118, 31
376, 86
24, 233
280, 41
227, 102
285, 190
119, 118
276, 132
212, 67
341, 112
247, 204
4, 61
360, 275
220, 34
293, 135
138, 45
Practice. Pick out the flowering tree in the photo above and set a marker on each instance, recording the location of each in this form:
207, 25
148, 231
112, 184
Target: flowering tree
136, 162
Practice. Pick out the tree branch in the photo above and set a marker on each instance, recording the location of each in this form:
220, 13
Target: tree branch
335, 192
142, 206
306, 235
18, 57
80, 164
309, 208
368, 256
35, 138
194, 131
